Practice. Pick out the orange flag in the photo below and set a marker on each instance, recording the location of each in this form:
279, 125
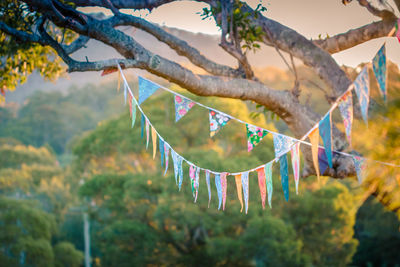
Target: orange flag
314, 140
238, 180
154, 138
262, 185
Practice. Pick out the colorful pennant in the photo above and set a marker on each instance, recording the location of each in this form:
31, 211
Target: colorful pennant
182, 106
268, 180
154, 139
238, 181
146, 89
147, 133
175, 160
295, 155
282, 144
166, 152
398, 30
314, 140
224, 186
194, 174
360, 166
217, 121
142, 122
346, 110
133, 111
262, 185
219, 189
161, 147
361, 85
284, 175
254, 136
208, 186
245, 186
325, 132
379, 67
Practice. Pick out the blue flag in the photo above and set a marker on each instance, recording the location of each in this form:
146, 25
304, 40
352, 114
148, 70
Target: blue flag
360, 166
219, 189
379, 67
142, 121
146, 89
161, 151
284, 175
282, 144
325, 131
361, 85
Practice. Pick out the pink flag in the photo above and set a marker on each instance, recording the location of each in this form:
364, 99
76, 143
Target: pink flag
262, 185
224, 187
295, 155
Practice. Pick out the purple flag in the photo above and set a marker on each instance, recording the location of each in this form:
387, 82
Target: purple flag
325, 131
146, 89
379, 67
361, 85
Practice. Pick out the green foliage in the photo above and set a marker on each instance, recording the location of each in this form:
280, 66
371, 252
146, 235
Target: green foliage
66, 255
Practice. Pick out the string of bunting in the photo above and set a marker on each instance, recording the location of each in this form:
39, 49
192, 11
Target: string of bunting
322, 155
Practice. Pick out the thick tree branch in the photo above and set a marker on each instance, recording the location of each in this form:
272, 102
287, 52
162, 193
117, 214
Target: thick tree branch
181, 47
384, 14
343, 41
19, 35
144, 4
79, 43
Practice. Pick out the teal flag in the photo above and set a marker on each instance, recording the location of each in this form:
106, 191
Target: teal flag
283, 162
325, 131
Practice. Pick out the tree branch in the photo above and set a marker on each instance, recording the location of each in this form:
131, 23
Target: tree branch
80, 42
343, 41
384, 14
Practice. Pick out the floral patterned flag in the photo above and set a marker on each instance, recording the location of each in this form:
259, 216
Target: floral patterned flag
268, 180
154, 138
182, 106
208, 186
295, 155
224, 187
254, 136
180, 161
146, 89
175, 160
245, 186
379, 67
197, 182
314, 140
282, 144
192, 175
360, 166
238, 181
219, 189
262, 185
161, 147
166, 152
361, 85
284, 175
325, 132
346, 110
217, 121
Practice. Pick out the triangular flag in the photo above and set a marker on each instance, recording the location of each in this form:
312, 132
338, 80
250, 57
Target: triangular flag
346, 110
282, 144
180, 161
217, 121
360, 166
182, 106
284, 175
176, 165
325, 131
142, 121
361, 85
398, 30
154, 138
379, 67
219, 189
262, 185
133, 111
192, 175
314, 140
254, 136
245, 186
146, 89
268, 180
125, 91
295, 155
166, 152
322, 160
224, 186
197, 182
161, 147
238, 181
147, 133
208, 186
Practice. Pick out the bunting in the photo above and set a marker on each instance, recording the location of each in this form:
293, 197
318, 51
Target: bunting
361, 85
182, 106
282, 144
379, 67
268, 179
224, 186
325, 132
262, 185
238, 181
161, 147
217, 121
147, 134
346, 110
360, 166
166, 152
142, 122
295, 156
146, 89
322, 160
254, 136
208, 186
314, 140
245, 186
284, 175
219, 189
133, 111
154, 139
176, 166
194, 181
180, 161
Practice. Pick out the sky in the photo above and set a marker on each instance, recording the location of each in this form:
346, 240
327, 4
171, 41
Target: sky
308, 17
